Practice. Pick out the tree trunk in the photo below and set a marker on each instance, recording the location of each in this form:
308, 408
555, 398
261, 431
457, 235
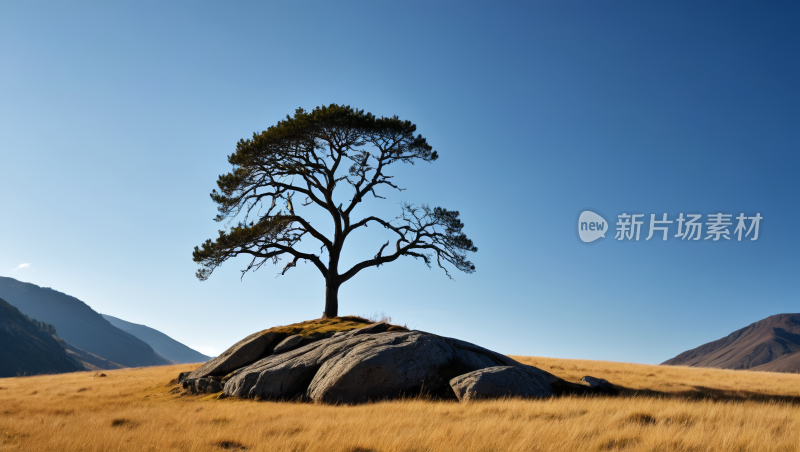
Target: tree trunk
331, 300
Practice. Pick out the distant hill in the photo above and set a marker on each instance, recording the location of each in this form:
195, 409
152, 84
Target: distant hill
772, 344
90, 361
79, 325
163, 345
30, 347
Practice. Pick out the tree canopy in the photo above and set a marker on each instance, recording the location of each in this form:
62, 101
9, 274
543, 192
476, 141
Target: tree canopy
307, 157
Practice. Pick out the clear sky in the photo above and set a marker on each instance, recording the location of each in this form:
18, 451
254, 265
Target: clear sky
116, 119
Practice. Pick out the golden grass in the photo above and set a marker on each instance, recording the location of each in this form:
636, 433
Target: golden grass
139, 410
678, 381
322, 326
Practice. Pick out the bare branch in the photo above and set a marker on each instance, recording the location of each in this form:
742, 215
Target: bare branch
304, 155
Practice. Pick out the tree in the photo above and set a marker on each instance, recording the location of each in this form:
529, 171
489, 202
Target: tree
305, 156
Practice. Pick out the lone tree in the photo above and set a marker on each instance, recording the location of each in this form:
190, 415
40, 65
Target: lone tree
307, 157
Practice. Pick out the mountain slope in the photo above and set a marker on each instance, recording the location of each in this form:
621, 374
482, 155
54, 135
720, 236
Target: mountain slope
163, 345
772, 344
30, 347
79, 325
90, 361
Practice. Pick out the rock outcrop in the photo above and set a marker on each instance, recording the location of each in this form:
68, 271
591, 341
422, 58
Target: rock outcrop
391, 365
262, 344
239, 355
290, 343
372, 363
208, 385
600, 385
504, 381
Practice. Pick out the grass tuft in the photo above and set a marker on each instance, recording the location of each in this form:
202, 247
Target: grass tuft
230, 445
617, 443
642, 419
123, 423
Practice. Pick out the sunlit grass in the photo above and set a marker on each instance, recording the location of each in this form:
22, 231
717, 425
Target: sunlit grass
326, 326
663, 409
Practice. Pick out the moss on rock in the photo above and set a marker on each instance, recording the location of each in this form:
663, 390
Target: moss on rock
326, 327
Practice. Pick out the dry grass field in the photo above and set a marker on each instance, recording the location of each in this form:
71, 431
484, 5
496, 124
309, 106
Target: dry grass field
661, 409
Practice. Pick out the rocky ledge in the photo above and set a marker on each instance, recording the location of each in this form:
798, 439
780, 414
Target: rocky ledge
372, 363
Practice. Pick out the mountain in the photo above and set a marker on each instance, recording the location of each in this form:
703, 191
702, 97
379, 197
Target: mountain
90, 361
163, 345
30, 347
772, 344
79, 325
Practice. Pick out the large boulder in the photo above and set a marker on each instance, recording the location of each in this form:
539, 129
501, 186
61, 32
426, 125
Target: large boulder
261, 344
504, 381
290, 343
242, 353
358, 366
371, 363
287, 375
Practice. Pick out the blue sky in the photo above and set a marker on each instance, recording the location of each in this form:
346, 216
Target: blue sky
116, 119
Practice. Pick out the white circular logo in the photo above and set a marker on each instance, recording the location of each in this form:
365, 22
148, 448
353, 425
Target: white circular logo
591, 226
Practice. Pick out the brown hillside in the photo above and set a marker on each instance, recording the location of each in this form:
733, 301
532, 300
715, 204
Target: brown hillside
772, 344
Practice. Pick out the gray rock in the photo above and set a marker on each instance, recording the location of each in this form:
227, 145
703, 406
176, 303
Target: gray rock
373, 329
503, 381
599, 385
182, 376
244, 352
209, 385
397, 364
382, 366
290, 343
285, 376
356, 367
